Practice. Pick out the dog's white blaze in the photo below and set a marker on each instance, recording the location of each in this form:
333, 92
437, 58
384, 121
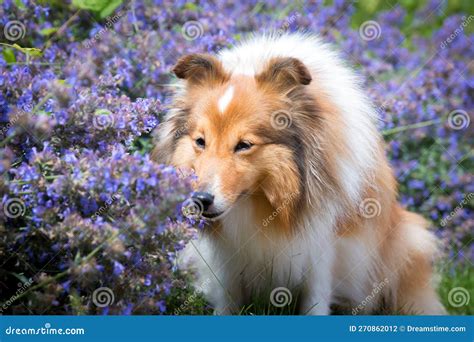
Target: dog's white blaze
225, 99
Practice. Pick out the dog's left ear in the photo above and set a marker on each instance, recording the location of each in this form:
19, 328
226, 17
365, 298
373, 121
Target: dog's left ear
285, 73
198, 68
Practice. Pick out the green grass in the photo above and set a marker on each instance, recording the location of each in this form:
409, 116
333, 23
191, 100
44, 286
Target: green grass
462, 276
459, 277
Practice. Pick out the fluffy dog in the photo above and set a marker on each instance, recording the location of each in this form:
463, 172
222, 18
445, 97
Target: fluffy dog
293, 182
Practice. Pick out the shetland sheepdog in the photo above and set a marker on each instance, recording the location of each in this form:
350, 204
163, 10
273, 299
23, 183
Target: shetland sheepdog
293, 183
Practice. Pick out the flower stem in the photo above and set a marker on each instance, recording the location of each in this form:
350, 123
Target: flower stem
412, 126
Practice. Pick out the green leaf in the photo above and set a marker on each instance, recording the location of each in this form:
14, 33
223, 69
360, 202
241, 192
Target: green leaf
77, 258
103, 7
48, 31
110, 8
9, 56
191, 7
20, 4
20, 277
91, 5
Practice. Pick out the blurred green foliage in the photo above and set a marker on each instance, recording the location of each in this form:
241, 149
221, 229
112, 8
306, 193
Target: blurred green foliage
368, 9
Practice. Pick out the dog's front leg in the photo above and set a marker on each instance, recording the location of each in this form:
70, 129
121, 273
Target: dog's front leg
317, 287
227, 298
317, 290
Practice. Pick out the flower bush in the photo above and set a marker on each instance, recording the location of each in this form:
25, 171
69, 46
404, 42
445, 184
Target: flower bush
88, 224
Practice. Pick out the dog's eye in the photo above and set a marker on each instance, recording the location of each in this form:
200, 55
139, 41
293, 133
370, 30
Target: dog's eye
200, 142
242, 146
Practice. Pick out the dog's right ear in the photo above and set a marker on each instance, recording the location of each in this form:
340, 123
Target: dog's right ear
199, 68
285, 73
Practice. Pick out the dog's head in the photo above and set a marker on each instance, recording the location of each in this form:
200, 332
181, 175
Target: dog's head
238, 133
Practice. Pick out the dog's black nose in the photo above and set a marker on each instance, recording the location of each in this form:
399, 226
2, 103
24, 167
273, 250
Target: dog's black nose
203, 198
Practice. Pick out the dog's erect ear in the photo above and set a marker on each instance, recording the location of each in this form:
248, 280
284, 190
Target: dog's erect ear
285, 73
198, 68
